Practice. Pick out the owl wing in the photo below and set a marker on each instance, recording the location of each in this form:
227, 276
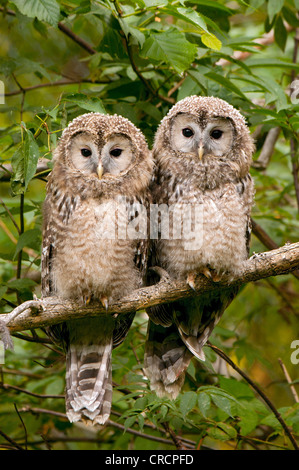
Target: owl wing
57, 211
141, 247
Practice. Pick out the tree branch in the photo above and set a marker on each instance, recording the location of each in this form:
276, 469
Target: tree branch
51, 310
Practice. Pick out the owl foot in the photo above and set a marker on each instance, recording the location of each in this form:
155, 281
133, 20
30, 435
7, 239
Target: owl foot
191, 280
211, 274
86, 300
104, 301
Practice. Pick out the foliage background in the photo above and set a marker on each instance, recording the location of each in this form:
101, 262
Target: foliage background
61, 58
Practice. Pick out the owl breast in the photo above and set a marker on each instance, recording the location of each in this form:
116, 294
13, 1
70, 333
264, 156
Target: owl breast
205, 229
91, 257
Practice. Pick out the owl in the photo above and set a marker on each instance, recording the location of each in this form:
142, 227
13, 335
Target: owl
204, 194
99, 182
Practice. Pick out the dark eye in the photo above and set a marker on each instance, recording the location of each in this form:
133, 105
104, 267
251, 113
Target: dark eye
187, 132
216, 134
115, 152
86, 152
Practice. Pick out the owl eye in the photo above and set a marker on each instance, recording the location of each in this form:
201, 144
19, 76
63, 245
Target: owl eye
86, 153
216, 134
115, 152
187, 132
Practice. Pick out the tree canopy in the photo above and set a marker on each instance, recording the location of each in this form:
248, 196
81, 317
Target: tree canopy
136, 58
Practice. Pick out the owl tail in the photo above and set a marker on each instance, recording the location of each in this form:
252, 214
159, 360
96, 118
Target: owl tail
166, 360
89, 382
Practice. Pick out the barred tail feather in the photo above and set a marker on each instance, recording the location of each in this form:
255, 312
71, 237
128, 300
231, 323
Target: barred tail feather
89, 382
166, 360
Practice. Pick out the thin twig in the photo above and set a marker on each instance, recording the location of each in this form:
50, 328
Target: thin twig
20, 254
23, 424
289, 380
259, 391
267, 150
10, 215
11, 441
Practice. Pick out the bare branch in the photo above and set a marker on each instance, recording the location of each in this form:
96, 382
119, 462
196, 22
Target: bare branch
266, 153
28, 316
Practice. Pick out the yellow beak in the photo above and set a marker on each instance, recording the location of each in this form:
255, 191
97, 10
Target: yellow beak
200, 152
100, 170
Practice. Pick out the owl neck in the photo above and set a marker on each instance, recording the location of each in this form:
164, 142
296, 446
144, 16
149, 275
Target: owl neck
201, 176
84, 186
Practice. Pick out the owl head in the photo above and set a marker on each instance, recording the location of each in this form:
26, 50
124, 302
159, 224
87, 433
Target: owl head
105, 152
205, 132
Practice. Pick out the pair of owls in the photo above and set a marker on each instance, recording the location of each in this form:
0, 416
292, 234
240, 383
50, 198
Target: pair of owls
200, 160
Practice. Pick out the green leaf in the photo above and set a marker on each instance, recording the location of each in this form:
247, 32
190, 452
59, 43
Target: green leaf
21, 284
226, 83
223, 403
3, 290
31, 239
89, 103
191, 16
171, 47
274, 7
43, 10
187, 402
211, 41
280, 33
204, 403
129, 422
24, 161
223, 432
236, 388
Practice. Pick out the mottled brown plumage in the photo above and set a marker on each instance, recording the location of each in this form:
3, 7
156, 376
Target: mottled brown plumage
203, 153
102, 168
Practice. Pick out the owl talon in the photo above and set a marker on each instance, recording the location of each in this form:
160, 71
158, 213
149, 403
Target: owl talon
207, 273
104, 302
191, 280
86, 300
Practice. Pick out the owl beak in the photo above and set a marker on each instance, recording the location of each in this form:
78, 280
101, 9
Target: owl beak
100, 170
200, 151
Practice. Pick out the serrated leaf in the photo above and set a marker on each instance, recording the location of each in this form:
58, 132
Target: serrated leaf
43, 10
218, 434
211, 41
129, 422
170, 47
3, 290
204, 403
274, 7
21, 284
24, 161
226, 83
140, 422
187, 402
223, 403
280, 33
89, 103
236, 388
163, 411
